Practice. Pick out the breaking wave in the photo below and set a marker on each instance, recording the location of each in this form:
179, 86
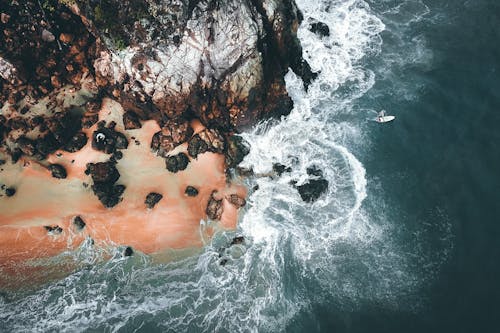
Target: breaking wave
339, 250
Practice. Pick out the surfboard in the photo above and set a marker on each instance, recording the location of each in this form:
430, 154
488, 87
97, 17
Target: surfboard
384, 119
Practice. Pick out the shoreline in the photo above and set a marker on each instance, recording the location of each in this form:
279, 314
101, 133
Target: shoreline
38, 221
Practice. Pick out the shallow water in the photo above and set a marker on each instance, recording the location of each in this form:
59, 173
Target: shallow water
405, 238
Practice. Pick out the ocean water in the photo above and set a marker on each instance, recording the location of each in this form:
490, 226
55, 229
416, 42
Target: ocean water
405, 240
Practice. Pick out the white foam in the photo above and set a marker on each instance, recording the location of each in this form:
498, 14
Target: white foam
335, 250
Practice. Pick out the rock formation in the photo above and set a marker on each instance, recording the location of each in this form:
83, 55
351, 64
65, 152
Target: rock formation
131, 109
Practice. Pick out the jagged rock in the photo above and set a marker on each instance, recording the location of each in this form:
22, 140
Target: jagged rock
108, 140
214, 208
320, 28
104, 176
109, 195
152, 199
237, 149
236, 200
103, 172
191, 191
207, 140
196, 146
221, 62
177, 162
79, 223
57, 171
172, 134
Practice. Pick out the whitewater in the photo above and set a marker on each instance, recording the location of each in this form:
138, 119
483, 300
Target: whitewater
341, 251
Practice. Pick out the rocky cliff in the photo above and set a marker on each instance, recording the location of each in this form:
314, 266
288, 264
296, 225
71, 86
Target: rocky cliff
222, 62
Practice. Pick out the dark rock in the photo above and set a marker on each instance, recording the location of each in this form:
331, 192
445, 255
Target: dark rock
191, 191
103, 172
315, 186
223, 262
104, 175
109, 195
118, 155
236, 200
16, 155
57, 171
128, 251
320, 29
196, 146
313, 189
27, 146
177, 162
237, 240
214, 208
172, 134
77, 142
121, 141
79, 223
237, 149
314, 171
279, 168
131, 120
53, 229
108, 140
152, 199
10, 191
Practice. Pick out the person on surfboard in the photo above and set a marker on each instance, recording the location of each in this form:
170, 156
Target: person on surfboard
381, 116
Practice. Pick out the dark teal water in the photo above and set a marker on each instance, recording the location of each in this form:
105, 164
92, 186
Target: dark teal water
440, 161
407, 239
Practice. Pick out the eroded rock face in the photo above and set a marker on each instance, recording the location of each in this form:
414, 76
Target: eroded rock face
172, 134
223, 61
174, 60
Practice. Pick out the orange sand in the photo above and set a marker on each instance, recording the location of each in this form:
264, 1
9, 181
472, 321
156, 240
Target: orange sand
40, 200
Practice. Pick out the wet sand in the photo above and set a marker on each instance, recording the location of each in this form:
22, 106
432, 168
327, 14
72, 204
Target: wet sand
41, 200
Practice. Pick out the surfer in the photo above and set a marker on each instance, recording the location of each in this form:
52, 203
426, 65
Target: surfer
381, 116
